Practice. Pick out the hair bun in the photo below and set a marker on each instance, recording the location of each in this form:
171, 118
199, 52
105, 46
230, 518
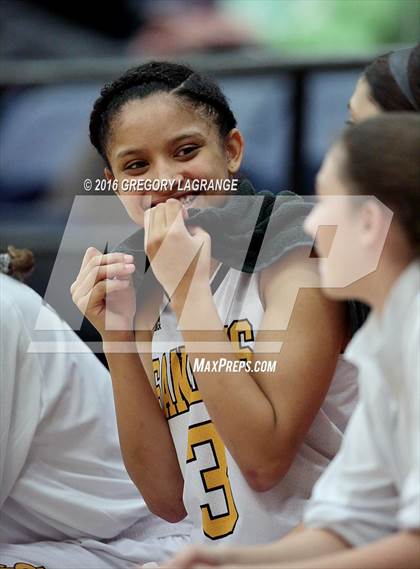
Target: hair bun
21, 262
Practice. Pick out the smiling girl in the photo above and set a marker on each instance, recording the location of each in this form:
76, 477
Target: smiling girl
239, 451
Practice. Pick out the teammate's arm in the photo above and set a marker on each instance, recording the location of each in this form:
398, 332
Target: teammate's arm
307, 544
398, 551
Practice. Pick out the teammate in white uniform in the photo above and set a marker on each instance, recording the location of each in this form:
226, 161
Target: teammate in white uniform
65, 498
365, 509
163, 121
390, 82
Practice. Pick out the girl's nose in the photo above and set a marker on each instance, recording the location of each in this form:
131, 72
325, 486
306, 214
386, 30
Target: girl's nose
177, 182
165, 170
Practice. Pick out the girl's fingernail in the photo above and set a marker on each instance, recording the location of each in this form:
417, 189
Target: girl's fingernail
130, 268
128, 258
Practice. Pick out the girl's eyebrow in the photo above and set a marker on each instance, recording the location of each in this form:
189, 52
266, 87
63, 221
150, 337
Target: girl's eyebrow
176, 140
127, 151
184, 135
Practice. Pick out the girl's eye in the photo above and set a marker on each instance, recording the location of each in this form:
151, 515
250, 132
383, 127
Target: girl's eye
350, 122
186, 150
136, 165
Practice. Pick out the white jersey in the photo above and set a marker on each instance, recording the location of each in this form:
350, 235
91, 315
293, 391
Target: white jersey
62, 480
216, 495
372, 488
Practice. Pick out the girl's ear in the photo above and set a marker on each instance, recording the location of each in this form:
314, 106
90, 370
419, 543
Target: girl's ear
373, 222
234, 146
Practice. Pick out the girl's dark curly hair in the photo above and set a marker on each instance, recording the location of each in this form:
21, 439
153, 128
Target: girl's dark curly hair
155, 77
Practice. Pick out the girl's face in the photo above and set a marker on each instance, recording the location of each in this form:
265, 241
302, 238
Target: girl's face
362, 105
162, 138
349, 230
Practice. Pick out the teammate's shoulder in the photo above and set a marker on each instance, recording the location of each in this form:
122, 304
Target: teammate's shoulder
17, 298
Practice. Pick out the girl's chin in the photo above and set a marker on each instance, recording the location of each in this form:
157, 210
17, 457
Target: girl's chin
333, 293
327, 284
331, 287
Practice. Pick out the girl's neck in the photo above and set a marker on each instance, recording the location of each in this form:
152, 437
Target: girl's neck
397, 254
379, 284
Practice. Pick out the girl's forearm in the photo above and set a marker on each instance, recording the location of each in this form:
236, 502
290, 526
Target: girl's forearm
399, 551
234, 400
302, 545
146, 443
297, 545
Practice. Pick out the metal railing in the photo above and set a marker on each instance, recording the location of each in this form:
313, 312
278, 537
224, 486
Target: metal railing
27, 73
45, 238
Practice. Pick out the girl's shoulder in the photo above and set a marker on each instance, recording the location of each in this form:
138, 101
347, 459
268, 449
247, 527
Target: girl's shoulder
292, 271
